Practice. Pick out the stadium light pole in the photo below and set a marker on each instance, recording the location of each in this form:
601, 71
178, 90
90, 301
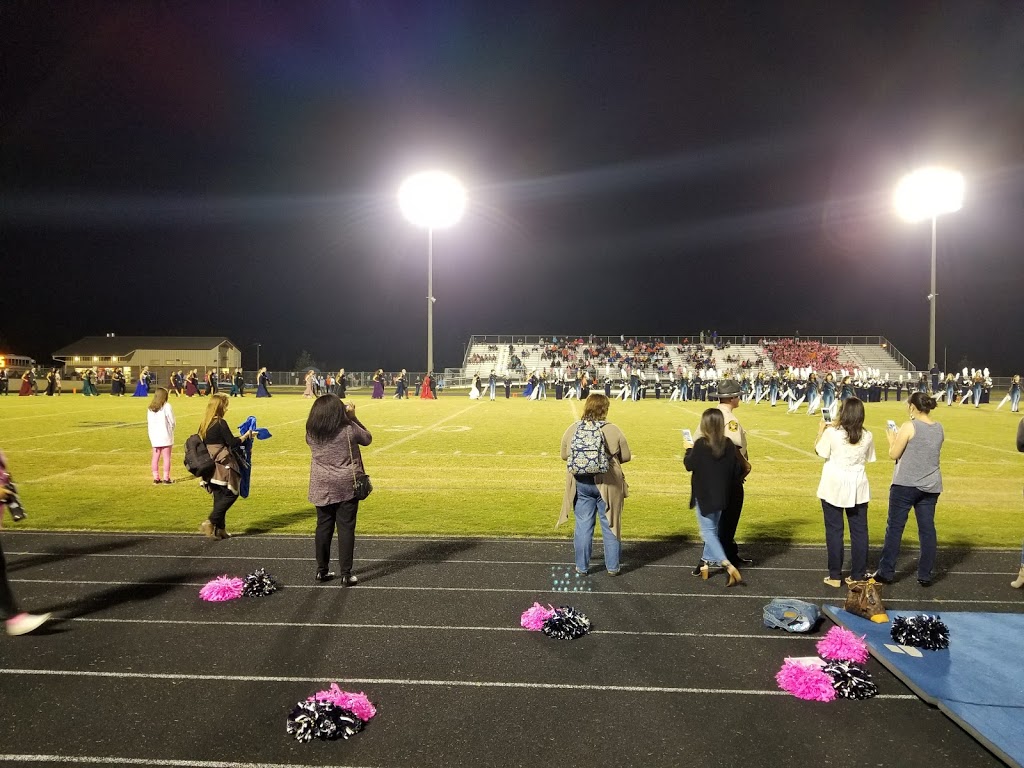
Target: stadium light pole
257, 345
927, 193
432, 200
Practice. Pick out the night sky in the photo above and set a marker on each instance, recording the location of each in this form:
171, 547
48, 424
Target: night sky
656, 168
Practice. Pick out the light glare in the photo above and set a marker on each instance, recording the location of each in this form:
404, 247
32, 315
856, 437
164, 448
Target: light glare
432, 199
929, 192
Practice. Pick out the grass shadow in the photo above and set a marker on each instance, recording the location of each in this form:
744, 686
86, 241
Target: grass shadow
280, 520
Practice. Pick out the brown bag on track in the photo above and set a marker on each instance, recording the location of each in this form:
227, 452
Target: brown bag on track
865, 599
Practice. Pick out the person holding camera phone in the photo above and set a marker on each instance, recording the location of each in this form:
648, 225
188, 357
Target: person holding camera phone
334, 434
917, 483
847, 447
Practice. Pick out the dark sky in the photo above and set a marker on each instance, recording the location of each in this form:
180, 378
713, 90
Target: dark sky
639, 168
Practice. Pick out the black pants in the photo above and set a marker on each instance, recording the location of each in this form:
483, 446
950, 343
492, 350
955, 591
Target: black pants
343, 516
729, 521
8, 605
222, 501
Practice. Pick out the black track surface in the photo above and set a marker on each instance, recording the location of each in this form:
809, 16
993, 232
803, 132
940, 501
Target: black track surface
137, 669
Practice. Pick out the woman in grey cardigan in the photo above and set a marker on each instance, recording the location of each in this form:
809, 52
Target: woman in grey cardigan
334, 434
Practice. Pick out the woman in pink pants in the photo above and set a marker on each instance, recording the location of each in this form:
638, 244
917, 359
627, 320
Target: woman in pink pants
161, 434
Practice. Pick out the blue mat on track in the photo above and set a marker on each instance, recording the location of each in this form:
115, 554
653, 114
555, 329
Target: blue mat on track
978, 681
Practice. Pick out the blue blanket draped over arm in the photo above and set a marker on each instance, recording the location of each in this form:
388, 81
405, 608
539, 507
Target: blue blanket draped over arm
246, 468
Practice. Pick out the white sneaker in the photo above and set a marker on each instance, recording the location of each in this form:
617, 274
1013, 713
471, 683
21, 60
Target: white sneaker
24, 623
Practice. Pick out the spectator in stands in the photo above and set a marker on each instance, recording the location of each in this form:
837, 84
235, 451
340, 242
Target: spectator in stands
917, 483
600, 495
847, 447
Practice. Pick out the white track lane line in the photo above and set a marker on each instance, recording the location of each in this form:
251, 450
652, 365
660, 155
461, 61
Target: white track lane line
733, 594
409, 682
96, 760
429, 627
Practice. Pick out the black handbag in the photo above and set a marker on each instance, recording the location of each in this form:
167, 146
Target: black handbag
362, 485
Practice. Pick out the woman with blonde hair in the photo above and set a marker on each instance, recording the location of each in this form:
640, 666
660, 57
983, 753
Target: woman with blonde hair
715, 467
308, 391
595, 486
160, 418
223, 484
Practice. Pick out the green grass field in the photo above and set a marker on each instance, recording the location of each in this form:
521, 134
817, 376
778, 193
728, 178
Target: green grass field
477, 468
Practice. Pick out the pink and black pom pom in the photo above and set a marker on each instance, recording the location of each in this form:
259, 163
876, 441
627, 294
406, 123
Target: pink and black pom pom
330, 714
840, 644
805, 681
259, 583
922, 631
566, 623
850, 681
221, 589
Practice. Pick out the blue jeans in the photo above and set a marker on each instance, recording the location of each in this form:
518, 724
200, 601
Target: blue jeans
901, 499
708, 524
589, 505
1015, 402
858, 517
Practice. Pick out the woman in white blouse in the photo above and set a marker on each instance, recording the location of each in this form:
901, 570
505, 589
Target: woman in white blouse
847, 447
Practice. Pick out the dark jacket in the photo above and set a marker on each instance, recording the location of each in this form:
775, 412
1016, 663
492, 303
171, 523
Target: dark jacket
711, 479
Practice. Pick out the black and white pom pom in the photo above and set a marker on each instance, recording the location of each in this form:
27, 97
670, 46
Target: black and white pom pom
922, 631
322, 720
850, 680
259, 583
566, 624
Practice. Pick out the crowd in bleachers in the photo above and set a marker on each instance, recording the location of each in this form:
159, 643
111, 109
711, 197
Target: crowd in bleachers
487, 358
793, 353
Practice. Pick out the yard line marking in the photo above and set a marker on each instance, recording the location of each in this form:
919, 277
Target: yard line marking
429, 627
78, 431
423, 431
409, 681
96, 760
506, 590
786, 445
69, 473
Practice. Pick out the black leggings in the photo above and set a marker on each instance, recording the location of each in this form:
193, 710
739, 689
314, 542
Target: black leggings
8, 605
222, 501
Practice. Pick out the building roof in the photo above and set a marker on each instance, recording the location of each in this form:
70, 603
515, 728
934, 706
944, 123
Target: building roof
123, 346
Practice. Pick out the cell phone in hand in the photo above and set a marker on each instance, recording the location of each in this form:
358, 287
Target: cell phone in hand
891, 424
687, 436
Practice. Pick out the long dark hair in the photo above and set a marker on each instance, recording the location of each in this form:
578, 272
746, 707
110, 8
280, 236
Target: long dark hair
326, 418
851, 419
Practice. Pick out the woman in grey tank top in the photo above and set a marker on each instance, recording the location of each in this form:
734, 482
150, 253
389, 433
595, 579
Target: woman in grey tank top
917, 483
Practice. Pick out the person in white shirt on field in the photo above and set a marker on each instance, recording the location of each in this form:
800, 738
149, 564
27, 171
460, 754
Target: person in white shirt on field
161, 434
847, 448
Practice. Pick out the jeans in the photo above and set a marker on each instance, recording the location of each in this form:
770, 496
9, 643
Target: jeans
491, 389
858, 517
901, 499
588, 505
1015, 402
977, 395
708, 524
342, 515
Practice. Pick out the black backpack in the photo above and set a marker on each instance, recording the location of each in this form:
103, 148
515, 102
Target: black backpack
197, 458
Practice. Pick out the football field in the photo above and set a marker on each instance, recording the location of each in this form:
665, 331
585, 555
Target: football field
478, 468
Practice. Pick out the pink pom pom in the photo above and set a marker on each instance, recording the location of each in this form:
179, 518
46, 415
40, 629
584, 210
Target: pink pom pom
222, 588
805, 681
533, 618
841, 644
356, 703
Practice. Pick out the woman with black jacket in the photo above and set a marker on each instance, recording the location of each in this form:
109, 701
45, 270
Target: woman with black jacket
716, 468
223, 484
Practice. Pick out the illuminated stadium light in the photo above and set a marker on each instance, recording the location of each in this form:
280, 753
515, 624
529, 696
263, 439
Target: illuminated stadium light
432, 200
928, 193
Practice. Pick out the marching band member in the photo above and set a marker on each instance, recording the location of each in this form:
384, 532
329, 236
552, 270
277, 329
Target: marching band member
950, 385
813, 393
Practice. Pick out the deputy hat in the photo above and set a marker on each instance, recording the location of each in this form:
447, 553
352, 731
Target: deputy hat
728, 389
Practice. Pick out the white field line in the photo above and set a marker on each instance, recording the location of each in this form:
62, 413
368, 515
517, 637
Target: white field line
80, 430
63, 414
428, 561
986, 447
734, 594
429, 627
409, 682
423, 431
68, 473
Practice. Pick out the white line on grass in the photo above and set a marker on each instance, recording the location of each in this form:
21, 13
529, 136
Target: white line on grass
408, 681
95, 760
734, 594
428, 627
80, 430
423, 431
69, 473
